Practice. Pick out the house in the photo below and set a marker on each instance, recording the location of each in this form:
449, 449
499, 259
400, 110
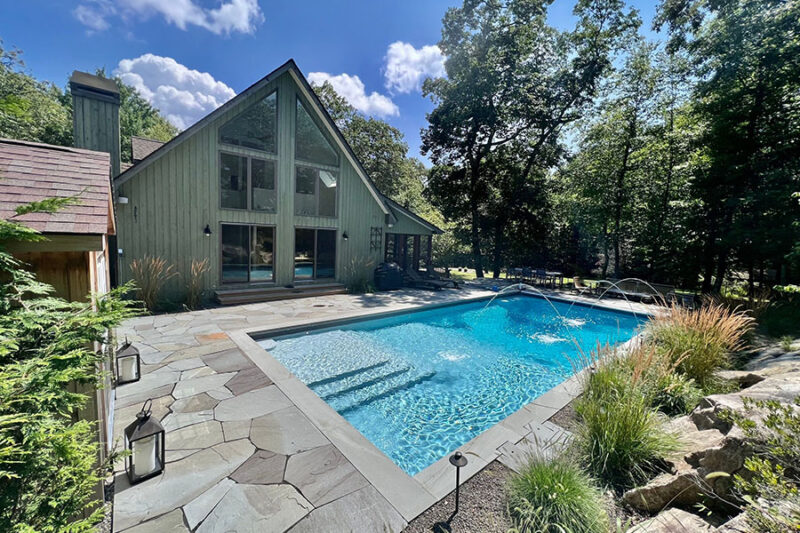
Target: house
74, 257
265, 188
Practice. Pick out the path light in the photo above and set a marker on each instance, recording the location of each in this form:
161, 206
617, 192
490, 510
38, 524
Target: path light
459, 461
129, 366
144, 440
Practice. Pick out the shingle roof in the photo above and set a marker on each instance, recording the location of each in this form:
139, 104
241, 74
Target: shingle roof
141, 147
32, 171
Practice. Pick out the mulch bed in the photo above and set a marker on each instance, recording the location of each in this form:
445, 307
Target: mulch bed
482, 508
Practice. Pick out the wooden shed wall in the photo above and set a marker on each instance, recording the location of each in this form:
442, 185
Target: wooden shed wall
171, 201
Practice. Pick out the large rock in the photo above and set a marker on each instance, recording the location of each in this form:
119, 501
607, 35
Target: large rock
665, 490
673, 521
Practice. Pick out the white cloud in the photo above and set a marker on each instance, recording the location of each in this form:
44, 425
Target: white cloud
407, 67
183, 95
231, 16
352, 89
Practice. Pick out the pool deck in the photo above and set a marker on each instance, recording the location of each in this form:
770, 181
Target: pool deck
251, 448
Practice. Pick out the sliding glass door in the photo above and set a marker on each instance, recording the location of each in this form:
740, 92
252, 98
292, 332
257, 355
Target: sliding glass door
248, 253
314, 254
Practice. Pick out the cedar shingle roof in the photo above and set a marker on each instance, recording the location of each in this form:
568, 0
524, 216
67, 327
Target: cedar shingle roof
32, 171
141, 147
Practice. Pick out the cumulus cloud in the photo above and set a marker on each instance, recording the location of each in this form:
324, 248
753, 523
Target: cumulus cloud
183, 95
352, 89
407, 67
231, 16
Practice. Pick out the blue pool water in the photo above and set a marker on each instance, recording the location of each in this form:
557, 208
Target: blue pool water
421, 384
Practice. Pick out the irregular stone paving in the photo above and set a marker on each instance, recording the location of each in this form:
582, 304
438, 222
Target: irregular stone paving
240, 456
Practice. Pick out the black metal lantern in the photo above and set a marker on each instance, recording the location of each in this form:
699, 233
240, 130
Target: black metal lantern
129, 365
144, 440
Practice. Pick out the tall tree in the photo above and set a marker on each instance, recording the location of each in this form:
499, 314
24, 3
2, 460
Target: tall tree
745, 55
511, 79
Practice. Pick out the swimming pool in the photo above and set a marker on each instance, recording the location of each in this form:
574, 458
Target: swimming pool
420, 384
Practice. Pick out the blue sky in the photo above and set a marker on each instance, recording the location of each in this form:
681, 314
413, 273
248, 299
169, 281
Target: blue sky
189, 56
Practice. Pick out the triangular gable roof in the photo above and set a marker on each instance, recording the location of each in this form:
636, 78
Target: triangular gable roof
291, 67
410, 214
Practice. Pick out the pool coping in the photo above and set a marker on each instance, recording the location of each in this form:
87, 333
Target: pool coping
410, 495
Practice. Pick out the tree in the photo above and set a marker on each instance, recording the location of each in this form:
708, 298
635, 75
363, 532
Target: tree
48, 471
511, 79
744, 54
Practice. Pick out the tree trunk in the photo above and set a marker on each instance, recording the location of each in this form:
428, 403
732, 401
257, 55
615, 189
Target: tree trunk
620, 193
499, 245
605, 250
475, 219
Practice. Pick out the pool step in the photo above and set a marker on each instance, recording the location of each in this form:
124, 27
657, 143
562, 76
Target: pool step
343, 376
379, 390
361, 380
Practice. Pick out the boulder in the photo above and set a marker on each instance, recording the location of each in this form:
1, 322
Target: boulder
673, 521
744, 378
737, 524
665, 490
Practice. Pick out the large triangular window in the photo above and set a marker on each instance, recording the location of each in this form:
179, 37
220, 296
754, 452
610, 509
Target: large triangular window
254, 127
310, 144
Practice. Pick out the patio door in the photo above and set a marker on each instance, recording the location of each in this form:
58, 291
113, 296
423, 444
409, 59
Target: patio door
314, 254
247, 253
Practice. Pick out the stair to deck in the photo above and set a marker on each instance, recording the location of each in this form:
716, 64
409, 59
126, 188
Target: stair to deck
234, 296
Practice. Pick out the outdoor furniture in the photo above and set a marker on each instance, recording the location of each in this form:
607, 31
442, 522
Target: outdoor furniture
553, 275
635, 290
414, 279
435, 276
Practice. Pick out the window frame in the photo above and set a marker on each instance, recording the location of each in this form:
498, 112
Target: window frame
298, 162
316, 230
277, 127
252, 227
249, 207
316, 190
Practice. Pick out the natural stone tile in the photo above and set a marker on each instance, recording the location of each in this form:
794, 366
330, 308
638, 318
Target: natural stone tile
247, 380
176, 455
363, 510
251, 404
236, 429
168, 523
196, 373
198, 402
202, 435
146, 383
286, 431
197, 510
190, 387
139, 398
257, 508
322, 475
220, 394
211, 337
227, 361
263, 468
200, 350
181, 482
174, 421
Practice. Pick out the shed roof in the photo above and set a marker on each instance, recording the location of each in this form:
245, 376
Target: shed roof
141, 147
33, 171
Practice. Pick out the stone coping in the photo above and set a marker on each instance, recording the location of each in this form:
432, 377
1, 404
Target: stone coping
411, 496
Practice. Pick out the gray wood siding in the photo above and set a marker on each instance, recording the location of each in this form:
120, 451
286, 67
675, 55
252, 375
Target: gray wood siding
171, 201
95, 125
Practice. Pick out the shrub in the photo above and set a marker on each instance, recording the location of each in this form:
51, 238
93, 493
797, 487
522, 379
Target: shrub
700, 341
194, 285
621, 438
357, 276
554, 497
150, 274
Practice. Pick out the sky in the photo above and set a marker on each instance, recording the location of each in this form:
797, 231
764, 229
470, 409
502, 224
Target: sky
188, 57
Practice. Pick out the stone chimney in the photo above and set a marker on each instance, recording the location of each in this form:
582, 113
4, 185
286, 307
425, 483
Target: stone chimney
95, 115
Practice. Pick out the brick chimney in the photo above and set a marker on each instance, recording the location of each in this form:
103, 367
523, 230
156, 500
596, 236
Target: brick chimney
95, 115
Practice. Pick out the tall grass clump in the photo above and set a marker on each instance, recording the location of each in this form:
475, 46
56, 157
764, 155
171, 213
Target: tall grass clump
194, 284
555, 496
622, 439
700, 341
150, 274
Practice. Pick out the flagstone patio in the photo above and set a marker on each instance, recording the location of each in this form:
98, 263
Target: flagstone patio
241, 456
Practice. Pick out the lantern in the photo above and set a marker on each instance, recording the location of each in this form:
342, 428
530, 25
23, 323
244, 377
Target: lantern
129, 367
144, 440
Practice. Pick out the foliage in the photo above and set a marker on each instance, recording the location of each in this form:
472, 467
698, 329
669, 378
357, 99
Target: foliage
358, 276
48, 474
781, 318
150, 274
555, 496
195, 282
621, 438
770, 488
700, 341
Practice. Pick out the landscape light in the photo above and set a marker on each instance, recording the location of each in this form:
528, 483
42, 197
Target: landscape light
144, 440
129, 366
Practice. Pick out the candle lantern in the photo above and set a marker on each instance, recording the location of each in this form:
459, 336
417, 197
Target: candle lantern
144, 440
129, 366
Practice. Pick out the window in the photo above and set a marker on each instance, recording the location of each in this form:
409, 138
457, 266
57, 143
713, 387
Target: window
315, 191
314, 254
310, 144
247, 253
254, 127
247, 183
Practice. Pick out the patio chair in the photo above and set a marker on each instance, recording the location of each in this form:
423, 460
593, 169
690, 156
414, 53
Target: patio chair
415, 280
435, 276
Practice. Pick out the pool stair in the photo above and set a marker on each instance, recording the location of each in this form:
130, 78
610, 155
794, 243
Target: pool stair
354, 387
